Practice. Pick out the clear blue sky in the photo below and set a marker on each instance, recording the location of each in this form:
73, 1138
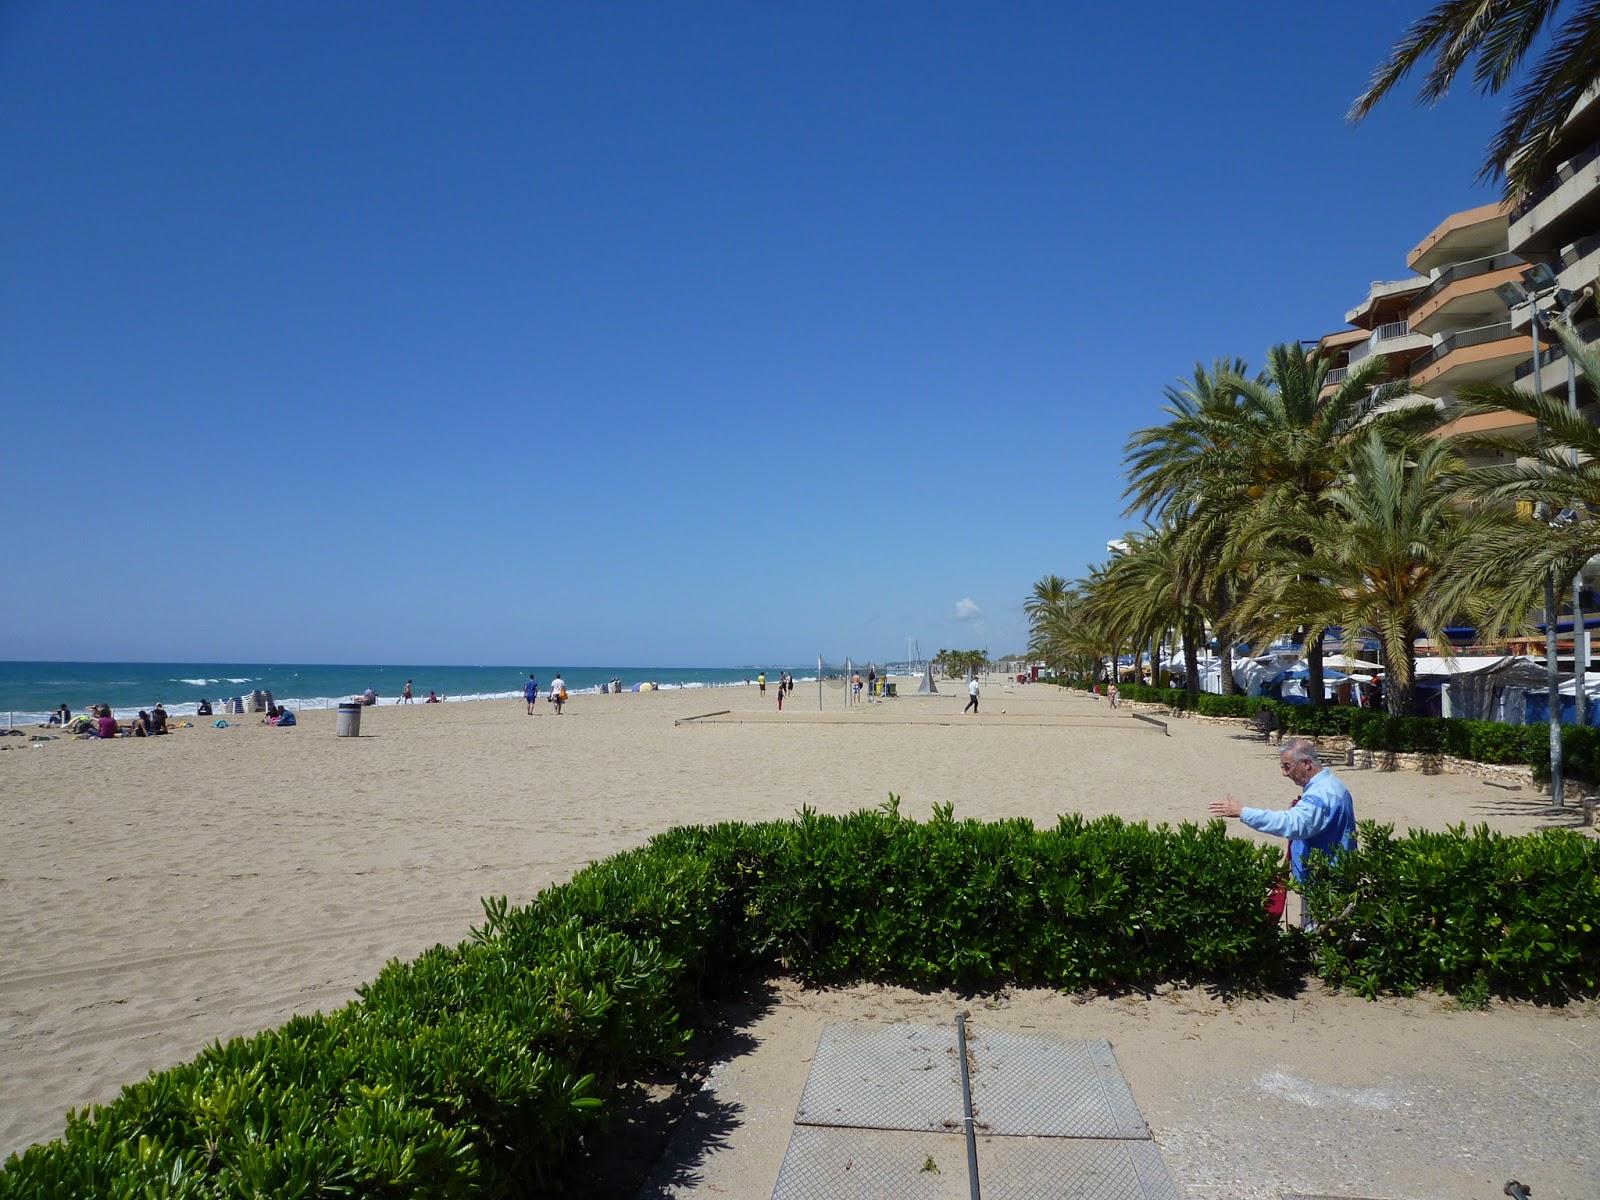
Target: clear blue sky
653, 333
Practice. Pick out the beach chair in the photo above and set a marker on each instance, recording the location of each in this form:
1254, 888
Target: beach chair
1265, 722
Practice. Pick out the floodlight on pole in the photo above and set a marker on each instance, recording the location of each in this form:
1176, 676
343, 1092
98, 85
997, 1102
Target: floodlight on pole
1540, 277
1510, 294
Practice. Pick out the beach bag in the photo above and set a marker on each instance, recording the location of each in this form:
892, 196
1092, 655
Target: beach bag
563, 695
1278, 897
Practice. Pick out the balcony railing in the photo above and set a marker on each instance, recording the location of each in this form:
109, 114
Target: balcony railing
1579, 249
1457, 341
1566, 171
1464, 270
1587, 330
1383, 333
1336, 375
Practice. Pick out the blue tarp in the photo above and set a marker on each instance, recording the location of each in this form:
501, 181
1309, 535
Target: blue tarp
1537, 711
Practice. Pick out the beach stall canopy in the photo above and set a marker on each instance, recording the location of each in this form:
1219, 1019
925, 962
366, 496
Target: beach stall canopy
1479, 687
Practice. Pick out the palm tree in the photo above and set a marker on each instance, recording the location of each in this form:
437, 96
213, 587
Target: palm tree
1049, 595
1499, 35
1381, 548
1171, 472
1289, 449
1500, 574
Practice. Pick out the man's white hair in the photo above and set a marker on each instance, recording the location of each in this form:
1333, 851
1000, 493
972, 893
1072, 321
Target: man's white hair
1299, 750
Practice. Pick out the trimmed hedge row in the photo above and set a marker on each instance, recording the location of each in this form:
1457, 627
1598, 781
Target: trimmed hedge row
1474, 913
473, 1070
1373, 729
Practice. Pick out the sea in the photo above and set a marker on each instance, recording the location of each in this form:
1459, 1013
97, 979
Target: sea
30, 691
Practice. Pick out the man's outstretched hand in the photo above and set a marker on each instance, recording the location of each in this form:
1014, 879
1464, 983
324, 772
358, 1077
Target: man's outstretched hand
1226, 807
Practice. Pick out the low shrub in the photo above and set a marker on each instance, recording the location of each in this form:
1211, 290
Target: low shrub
472, 1070
1470, 913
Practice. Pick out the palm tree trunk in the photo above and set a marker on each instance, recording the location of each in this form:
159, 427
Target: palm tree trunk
1230, 686
1402, 699
1191, 657
1314, 672
1138, 661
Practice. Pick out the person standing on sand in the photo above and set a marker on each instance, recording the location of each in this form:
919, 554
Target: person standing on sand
558, 692
1322, 818
972, 695
761, 682
530, 693
405, 695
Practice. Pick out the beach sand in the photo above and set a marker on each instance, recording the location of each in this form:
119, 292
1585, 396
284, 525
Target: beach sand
158, 894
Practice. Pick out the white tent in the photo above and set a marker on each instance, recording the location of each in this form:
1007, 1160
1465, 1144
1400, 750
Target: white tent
1477, 687
1252, 674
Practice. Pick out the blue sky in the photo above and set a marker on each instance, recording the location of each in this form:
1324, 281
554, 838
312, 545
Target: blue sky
679, 334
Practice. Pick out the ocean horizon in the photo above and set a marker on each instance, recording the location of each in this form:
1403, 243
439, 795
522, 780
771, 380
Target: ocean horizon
30, 691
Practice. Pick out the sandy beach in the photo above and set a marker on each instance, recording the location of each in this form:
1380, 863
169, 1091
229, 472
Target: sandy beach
158, 894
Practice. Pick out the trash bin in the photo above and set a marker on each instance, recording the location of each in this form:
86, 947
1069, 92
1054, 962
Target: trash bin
889, 689
349, 722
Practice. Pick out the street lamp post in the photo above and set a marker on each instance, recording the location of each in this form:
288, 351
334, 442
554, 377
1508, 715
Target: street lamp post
1580, 634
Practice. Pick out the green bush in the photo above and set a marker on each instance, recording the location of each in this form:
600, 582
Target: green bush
472, 1070
1470, 913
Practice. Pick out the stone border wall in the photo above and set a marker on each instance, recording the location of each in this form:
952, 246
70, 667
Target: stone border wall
1509, 774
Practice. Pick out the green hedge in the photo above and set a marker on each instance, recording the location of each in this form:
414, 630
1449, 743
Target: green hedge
1373, 729
472, 1070
1474, 913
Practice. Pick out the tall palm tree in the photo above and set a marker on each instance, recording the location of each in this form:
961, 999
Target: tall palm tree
1381, 547
1289, 449
1049, 595
1501, 571
1499, 34
1171, 472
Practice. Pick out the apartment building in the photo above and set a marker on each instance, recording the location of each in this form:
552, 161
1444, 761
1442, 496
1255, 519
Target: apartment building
1447, 326
1558, 224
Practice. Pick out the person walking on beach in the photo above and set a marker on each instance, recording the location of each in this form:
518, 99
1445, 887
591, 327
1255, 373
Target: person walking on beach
780, 695
1322, 818
558, 692
530, 693
761, 682
972, 695
405, 695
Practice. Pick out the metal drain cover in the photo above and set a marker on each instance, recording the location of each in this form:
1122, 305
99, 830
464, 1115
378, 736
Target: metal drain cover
881, 1117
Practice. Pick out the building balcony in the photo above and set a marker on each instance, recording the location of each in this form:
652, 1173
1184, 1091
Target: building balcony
1386, 300
1396, 341
1460, 236
1563, 209
1463, 294
1470, 356
1499, 422
1553, 363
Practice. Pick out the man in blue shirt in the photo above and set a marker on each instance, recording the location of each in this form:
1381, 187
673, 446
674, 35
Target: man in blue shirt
1322, 819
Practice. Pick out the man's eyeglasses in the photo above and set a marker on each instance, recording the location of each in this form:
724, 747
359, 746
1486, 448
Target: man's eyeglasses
1285, 767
